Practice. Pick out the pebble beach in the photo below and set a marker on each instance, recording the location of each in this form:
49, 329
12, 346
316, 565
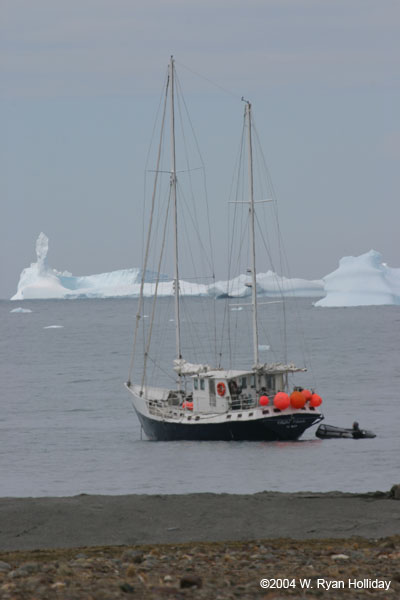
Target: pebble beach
214, 546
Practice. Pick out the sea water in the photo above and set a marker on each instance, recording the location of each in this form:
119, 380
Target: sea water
67, 425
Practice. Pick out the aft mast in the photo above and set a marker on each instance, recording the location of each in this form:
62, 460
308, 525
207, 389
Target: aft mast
174, 201
252, 235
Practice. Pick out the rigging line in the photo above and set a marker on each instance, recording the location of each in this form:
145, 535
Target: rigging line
242, 240
279, 236
161, 322
198, 349
282, 251
236, 96
156, 365
240, 189
284, 259
181, 96
189, 245
231, 237
268, 340
149, 231
194, 220
266, 245
155, 293
164, 331
168, 172
164, 310
162, 95
279, 285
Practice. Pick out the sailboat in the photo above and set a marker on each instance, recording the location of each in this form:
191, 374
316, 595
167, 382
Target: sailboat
212, 402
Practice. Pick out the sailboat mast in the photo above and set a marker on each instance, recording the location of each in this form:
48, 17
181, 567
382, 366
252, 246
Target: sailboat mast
175, 212
252, 236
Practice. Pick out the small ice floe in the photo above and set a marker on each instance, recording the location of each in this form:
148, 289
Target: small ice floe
54, 327
171, 320
264, 347
20, 310
237, 308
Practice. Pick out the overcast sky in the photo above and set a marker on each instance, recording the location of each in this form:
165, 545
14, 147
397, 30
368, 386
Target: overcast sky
80, 86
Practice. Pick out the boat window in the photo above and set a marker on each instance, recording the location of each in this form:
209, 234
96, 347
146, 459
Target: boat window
253, 381
202, 384
196, 383
244, 383
270, 382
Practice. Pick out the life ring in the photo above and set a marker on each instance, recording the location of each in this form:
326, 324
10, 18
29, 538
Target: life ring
221, 389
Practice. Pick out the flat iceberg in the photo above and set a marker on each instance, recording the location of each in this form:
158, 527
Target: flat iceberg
361, 281
39, 281
268, 284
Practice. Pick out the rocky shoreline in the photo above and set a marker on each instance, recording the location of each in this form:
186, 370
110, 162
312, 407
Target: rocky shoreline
210, 571
205, 546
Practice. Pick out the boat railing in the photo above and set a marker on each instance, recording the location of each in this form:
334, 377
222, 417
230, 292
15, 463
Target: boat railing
243, 402
155, 408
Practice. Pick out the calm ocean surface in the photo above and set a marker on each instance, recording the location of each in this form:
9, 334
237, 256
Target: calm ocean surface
67, 425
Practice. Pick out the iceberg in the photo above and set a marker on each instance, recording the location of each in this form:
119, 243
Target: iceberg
361, 281
39, 281
268, 284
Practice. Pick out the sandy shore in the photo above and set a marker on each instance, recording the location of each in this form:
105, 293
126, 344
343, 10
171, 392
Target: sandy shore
85, 520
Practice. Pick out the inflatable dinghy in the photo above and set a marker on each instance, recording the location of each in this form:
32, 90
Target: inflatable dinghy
325, 432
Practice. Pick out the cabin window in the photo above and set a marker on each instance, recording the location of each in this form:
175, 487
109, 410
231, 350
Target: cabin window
253, 381
243, 383
202, 384
270, 382
196, 383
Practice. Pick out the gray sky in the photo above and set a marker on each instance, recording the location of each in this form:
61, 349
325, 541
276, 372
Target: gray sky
80, 86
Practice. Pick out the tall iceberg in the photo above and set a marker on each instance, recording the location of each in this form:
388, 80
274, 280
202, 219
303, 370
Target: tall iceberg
39, 281
361, 281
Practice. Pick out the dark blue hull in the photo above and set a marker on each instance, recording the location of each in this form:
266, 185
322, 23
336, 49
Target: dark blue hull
279, 427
